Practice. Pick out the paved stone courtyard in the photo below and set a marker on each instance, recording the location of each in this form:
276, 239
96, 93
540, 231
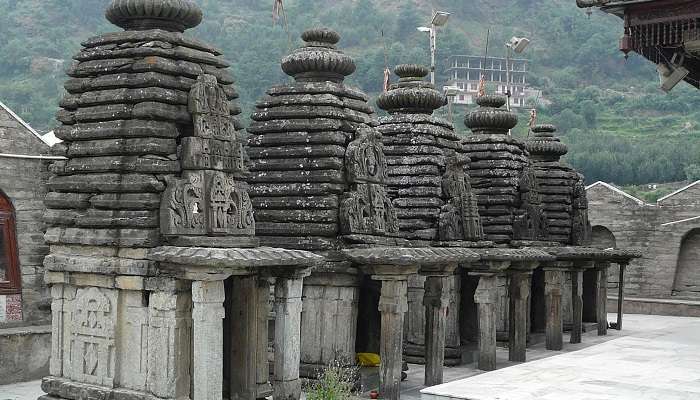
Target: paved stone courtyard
655, 357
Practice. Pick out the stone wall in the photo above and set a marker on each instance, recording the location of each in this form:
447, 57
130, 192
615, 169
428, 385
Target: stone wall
24, 334
22, 181
667, 232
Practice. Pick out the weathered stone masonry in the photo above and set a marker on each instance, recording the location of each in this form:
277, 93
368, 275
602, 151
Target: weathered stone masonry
669, 233
24, 304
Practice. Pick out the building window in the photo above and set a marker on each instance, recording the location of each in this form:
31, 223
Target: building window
461, 97
10, 277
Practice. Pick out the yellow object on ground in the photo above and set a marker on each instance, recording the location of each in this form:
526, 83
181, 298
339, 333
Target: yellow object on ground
368, 359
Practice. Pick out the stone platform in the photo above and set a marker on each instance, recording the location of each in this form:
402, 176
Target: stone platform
655, 357
670, 307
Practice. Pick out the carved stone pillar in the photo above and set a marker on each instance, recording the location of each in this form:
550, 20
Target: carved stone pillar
576, 305
519, 295
208, 338
286, 383
485, 299
552, 289
436, 301
263, 366
392, 306
57, 302
168, 342
247, 312
602, 296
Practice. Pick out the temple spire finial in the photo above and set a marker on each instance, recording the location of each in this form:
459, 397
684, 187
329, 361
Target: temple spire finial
318, 60
169, 15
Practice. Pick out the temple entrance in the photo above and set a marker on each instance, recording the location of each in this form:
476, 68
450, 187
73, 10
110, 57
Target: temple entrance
537, 302
469, 320
9, 263
687, 280
601, 238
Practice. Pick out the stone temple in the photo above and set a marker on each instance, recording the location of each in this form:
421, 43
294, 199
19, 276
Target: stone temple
171, 230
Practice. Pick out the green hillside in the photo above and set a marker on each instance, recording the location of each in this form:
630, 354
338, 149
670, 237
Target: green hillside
619, 125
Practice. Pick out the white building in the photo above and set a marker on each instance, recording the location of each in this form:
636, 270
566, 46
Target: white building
464, 73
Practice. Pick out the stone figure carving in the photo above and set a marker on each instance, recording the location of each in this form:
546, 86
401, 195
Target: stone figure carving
581, 227
459, 218
208, 199
364, 159
207, 203
183, 208
210, 111
530, 222
367, 209
230, 208
92, 339
215, 143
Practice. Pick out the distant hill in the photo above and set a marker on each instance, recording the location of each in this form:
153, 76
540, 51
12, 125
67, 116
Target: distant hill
619, 126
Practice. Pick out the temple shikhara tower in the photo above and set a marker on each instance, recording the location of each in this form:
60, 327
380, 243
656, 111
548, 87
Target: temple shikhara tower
159, 289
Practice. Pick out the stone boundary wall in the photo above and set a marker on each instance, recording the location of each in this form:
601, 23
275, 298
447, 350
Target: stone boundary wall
667, 232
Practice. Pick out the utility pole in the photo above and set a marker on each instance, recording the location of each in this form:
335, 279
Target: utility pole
439, 19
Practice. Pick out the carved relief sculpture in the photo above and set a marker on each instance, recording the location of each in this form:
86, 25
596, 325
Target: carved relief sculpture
459, 218
209, 199
530, 221
367, 209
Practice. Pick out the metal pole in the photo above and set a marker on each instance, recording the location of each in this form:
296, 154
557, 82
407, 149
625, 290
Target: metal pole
508, 77
450, 99
433, 44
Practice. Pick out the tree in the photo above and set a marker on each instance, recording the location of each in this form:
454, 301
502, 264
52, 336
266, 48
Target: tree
692, 172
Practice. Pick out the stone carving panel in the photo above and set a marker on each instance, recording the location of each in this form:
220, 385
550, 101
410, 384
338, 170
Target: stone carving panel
182, 208
364, 158
207, 203
581, 230
459, 218
210, 110
530, 221
368, 210
220, 155
92, 338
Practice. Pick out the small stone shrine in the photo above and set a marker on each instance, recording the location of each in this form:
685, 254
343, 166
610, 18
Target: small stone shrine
429, 186
502, 175
555, 180
314, 151
319, 183
159, 289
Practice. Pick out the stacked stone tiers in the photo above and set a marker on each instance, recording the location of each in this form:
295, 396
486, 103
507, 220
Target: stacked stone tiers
299, 138
497, 161
501, 175
555, 179
416, 146
297, 145
126, 106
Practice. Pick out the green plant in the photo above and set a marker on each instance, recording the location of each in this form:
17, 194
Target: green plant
335, 382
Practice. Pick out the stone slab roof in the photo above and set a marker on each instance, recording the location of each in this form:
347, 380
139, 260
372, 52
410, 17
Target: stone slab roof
681, 190
232, 257
24, 124
616, 190
410, 256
